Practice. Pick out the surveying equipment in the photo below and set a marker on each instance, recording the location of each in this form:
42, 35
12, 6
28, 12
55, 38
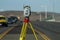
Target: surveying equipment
27, 13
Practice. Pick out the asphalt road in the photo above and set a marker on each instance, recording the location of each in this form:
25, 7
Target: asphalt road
51, 29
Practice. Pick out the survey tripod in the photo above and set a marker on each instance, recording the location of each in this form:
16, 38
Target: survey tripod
24, 29
26, 22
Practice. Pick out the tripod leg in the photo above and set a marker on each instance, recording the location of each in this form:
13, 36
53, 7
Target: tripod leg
23, 31
33, 31
21, 35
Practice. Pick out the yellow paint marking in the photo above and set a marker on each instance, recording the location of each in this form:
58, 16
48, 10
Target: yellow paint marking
43, 35
5, 32
33, 31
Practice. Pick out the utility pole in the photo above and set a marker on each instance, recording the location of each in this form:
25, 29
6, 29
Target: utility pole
40, 16
45, 8
45, 12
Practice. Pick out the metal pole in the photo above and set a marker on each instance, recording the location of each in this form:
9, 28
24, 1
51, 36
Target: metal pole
40, 16
45, 12
54, 1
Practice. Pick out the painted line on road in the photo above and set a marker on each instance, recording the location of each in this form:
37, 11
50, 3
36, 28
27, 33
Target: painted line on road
45, 37
6, 31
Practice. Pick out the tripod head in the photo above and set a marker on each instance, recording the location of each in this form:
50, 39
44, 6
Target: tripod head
27, 13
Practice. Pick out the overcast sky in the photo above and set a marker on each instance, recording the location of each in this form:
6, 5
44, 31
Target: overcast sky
36, 5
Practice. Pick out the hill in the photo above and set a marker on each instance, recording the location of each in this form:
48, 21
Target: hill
34, 16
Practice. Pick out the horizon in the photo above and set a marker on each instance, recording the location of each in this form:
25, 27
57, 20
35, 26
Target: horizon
22, 11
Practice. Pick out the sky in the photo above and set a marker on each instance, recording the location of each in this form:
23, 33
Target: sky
36, 5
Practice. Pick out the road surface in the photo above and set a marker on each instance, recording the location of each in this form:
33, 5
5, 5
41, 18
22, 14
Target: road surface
50, 29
